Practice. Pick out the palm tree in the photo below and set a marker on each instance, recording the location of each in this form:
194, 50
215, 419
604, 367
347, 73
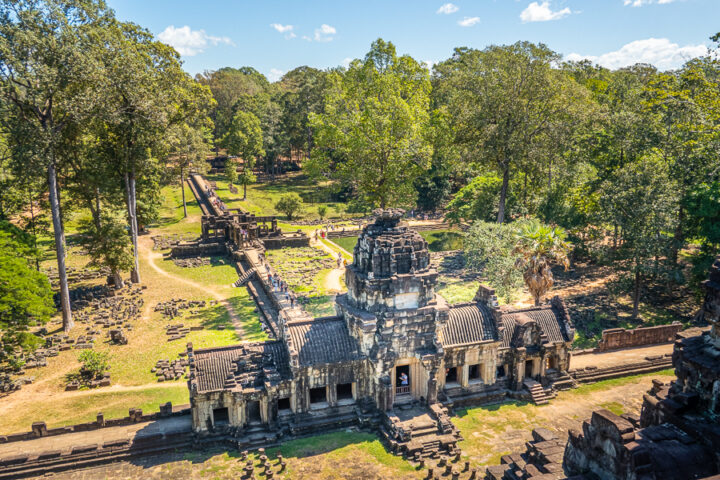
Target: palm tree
538, 246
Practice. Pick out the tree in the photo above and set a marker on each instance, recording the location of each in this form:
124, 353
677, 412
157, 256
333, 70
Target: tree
289, 204
46, 66
373, 133
639, 199
25, 295
189, 149
489, 248
244, 138
108, 246
538, 246
322, 211
505, 101
478, 200
94, 363
231, 170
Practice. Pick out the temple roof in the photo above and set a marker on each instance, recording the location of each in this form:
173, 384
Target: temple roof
468, 323
322, 341
250, 364
548, 317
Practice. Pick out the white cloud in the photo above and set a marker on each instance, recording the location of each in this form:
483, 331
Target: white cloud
541, 12
640, 3
324, 33
190, 42
275, 74
346, 62
448, 8
660, 52
281, 28
469, 21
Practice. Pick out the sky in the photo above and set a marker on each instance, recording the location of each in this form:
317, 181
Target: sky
276, 36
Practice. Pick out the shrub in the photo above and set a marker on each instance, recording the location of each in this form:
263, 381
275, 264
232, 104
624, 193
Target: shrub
94, 363
289, 204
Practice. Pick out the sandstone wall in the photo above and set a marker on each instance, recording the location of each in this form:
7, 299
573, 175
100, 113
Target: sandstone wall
617, 338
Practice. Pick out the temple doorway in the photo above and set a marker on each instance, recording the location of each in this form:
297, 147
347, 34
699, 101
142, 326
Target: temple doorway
529, 373
402, 380
253, 412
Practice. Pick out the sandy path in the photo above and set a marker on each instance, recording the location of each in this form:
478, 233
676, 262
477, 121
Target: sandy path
332, 281
153, 255
619, 357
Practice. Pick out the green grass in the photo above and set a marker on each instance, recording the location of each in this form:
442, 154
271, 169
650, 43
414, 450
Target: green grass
457, 291
84, 408
348, 243
443, 240
262, 197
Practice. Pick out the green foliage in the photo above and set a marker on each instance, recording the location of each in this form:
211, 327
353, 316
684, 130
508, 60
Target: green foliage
108, 243
489, 248
538, 246
373, 133
290, 204
231, 170
322, 211
479, 200
94, 363
25, 295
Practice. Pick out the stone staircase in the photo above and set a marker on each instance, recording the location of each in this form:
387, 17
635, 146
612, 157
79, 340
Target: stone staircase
419, 432
245, 278
537, 392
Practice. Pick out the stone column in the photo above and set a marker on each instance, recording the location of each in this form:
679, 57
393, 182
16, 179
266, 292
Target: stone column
464, 375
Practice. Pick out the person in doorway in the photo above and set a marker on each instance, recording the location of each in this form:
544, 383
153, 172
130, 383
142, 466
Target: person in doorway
403, 379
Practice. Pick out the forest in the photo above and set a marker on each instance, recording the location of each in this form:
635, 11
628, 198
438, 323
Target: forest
619, 167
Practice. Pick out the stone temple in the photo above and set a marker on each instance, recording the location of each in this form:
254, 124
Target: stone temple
394, 352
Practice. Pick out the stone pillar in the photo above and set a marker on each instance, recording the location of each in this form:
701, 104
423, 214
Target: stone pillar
331, 394
39, 429
432, 392
464, 375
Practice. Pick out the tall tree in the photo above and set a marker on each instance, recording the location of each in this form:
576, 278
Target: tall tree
505, 101
374, 132
244, 139
45, 71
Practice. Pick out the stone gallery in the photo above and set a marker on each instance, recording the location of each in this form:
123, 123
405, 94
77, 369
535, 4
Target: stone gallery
393, 347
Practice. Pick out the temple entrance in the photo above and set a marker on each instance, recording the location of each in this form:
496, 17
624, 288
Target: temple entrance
402, 380
451, 376
221, 416
529, 373
253, 412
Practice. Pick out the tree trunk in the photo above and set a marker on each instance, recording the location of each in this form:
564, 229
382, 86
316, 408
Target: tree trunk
636, 296
132, 220
117, 280
33, 228
678, 237
503, 195
550, 175
244, 190
182, 189
59, 248
97, 208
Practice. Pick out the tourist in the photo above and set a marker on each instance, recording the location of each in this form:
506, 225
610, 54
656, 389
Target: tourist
403, 379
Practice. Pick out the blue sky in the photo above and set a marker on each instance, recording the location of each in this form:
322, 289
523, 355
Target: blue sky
277, 36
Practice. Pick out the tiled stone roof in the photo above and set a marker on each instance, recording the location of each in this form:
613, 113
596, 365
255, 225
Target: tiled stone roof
322, 341
250, 365
548, 318
466, 324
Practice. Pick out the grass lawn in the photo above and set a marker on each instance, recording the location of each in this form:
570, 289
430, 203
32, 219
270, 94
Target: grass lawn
457, 291
488, 430
83, 406
261, 197
337, 455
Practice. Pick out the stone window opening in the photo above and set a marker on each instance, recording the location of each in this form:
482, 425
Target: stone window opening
344, 393
318, 397
451, 376
402, 379
475, 373
221, 416
500, 371
284, 406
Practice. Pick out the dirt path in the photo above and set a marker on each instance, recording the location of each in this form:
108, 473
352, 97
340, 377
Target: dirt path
332, 283
619, 357
151, 256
